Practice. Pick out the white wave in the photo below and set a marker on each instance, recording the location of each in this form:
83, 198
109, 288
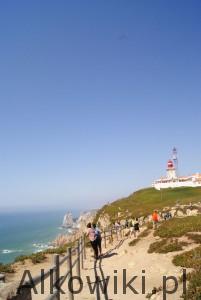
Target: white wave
40, 245
38, 250
7, 251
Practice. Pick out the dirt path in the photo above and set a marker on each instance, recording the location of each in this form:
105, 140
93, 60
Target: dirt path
121, 263
118, 265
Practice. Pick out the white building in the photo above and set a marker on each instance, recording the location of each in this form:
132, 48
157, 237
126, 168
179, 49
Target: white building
172, 180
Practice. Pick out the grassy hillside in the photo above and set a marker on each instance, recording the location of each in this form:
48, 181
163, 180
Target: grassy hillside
143, 202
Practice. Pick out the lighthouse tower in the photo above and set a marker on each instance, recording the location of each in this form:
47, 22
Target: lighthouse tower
171, 170
175, 159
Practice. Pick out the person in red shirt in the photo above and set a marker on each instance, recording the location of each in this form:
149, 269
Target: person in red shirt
155, 219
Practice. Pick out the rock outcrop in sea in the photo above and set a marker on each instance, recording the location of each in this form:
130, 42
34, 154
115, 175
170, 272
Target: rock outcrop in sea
68, 220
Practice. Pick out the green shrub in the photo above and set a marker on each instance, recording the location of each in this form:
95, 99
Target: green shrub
38, 258
194, 286
58, 250
189, 259
22, 258
195, 237
35, 258
179, 227
6, 268
175, 246
166, 245
41, 256
156, 246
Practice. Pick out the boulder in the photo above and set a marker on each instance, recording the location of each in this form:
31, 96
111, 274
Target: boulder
180, 213
192, 212
173, 212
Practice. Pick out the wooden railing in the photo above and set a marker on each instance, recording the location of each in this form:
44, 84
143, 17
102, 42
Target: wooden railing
56, 281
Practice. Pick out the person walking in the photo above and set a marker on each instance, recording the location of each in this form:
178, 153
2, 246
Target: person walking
93, 240
132, 229
155, 219
98, 239
136, 226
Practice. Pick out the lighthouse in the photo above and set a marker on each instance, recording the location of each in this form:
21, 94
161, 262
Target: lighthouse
173, 180
171, 170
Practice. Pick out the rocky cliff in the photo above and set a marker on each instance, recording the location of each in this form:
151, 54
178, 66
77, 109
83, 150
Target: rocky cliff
85, 218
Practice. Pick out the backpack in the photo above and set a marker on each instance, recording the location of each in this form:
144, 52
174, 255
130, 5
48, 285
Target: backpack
136, 226
98, 233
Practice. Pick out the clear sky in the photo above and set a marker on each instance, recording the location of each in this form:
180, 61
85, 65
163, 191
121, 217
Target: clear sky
93, 96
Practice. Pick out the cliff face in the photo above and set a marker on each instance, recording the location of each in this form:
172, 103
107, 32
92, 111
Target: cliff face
84, 219
77, 228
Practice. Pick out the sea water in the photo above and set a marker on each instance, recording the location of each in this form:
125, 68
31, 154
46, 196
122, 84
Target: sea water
28, 232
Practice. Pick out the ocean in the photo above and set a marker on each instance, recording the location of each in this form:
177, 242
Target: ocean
28, 232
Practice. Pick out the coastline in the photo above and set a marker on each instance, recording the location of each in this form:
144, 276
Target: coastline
51, 238
27, 233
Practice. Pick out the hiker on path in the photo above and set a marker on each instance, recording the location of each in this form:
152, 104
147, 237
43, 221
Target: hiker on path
98, 238
155, 219
93, 239
117, 225
126, 224
167, 216
136, 226
132, 229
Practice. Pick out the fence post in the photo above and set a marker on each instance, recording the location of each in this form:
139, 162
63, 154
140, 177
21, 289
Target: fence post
24, 292
117, 234
56, 275
82, 252
78, 258
70, 274
104, 235
111, 237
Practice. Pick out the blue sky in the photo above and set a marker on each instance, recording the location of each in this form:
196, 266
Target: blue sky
94, 94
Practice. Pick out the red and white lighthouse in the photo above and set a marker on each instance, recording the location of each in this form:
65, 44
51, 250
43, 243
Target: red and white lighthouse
171, 170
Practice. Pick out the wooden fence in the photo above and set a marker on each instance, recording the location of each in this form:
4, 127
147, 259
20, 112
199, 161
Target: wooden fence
79, 254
